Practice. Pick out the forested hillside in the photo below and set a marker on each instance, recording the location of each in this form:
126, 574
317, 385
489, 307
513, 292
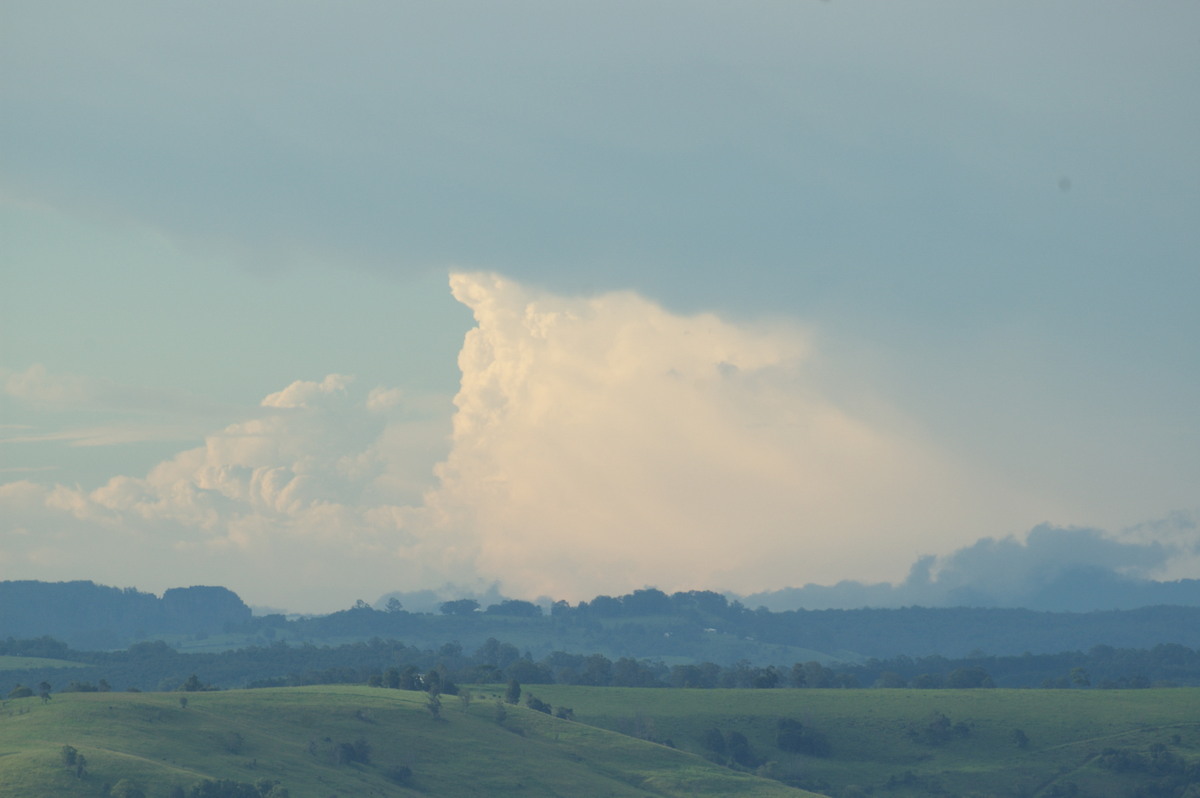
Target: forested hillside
88, 615
692, 626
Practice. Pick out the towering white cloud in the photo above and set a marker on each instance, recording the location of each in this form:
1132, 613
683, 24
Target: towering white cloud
604, 443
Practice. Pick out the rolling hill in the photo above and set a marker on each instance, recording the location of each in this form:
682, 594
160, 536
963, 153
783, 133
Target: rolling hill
315, 742
345, 741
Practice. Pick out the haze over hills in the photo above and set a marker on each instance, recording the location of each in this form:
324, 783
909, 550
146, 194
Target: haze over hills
648, 623
88, 615
1053, 569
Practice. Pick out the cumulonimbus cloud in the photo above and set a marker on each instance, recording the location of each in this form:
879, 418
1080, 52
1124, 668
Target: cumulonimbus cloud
605, 443
598, 444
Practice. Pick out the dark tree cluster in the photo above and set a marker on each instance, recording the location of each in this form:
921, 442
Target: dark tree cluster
74, 761
357, 751
537, 704
1158, 772
228, 788
794, 737
730, 748
937, 729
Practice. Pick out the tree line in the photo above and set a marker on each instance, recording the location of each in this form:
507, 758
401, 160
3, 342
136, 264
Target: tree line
154, 665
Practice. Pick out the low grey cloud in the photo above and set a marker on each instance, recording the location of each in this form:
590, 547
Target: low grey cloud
1050, 568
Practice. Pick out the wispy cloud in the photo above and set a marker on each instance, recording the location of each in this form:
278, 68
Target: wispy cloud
111, 434
39, 388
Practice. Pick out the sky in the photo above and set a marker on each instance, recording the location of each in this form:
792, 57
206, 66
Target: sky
321, 301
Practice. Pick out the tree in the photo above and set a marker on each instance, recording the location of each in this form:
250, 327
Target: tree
791, 735
410, 679
649, 601
685, 676
357, 751
740, 751
969, 677
126, 789
513, 694
526, 670
192, 685
496, 654
68, 755
928, 681
393, 605
433, 682
765, 678
937, 730
459, 607
1020, 738
817, 676
597, 672
713, 740
227, 788
515, 608
234, 743
434, 704
343, 754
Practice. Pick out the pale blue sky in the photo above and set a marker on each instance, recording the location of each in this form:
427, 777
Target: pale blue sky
980, 218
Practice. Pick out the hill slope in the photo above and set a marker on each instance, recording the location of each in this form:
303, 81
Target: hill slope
310, 740
901, 743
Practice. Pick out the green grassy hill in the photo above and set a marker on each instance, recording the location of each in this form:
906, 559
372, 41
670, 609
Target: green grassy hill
903, 743
295, 735
848, 743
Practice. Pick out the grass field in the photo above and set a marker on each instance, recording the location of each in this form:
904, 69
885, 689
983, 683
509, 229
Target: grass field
292, 735
897, 743
881, 740
8, 663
